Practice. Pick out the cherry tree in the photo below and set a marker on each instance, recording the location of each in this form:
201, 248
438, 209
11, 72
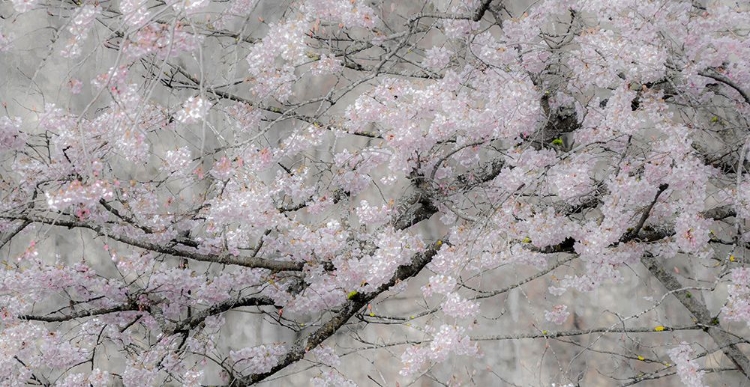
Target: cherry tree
442, 192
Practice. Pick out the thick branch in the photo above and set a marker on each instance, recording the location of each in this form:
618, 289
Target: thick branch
483, 7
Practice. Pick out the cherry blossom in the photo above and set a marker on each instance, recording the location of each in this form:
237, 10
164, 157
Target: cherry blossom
437, 58
687, 367
557, 315
78, 193
11, 136
79, 28
134, 11
258, 359
738, 304
193, 110
327, 191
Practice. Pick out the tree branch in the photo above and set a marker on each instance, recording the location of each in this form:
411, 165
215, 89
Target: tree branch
581, 332
723, 79
483, 7
84, 313
629, 236
222, 307
252, 262
701, 314
13, 233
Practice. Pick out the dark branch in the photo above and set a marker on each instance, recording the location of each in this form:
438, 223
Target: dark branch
637, 229
13, 233
233, 303
483, 7
81, 314
721, 78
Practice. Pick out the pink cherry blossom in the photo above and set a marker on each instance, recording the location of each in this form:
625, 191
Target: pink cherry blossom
557, 315
327, 191
687, 367
193, 110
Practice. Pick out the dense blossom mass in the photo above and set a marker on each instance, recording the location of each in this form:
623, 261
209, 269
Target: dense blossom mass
341, 192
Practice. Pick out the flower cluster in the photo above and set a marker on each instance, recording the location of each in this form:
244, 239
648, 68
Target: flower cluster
115, 78
301, 140
246, 117
557, 315
160, 39
192, 378
571, 180
395, 248
368, 214
175, 286
448, 339
177, 161
354, 169
458, 307
439, 284
23, 6
285, 41
738, 304
76, 193
135, 12
692, 232
326, 65
11, 136
687, 367
255, 360
458, 29
332, 378
75, 85
193, 110
188, 6
326, 355
437, 58
350, 13
79, 28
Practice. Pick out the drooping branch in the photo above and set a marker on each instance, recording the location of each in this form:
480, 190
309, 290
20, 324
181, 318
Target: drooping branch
723, 79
